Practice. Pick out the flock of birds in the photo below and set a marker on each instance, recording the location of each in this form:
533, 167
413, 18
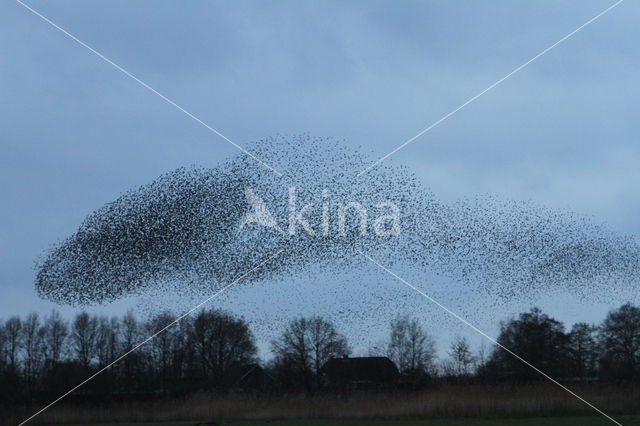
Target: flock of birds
185, 230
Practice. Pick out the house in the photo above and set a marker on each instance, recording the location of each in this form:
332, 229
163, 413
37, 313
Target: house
360, 372
249, 378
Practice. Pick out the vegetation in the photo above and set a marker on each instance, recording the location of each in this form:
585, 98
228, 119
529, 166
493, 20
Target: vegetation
189, 371
445, 401
542, 421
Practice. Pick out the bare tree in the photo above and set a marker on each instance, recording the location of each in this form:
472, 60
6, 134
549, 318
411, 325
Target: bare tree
131, 365
164, 347
13, 337
325, 343
306, 345
583, 350
57, 330
3, 348
410, 347
220, 340
84, 331
481, 358
130, 332
461, 356
292, 354
33, 342
107, 340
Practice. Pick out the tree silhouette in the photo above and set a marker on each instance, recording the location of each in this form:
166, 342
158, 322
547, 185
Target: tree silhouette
304, 347
461, 356
620, 339
535, 337
410, 347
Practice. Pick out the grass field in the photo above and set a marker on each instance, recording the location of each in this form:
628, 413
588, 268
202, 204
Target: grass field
542, 421
540, 404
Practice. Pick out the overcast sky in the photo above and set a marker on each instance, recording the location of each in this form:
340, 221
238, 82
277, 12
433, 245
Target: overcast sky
75, 132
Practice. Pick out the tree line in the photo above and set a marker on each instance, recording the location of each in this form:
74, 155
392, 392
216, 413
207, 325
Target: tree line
46, 356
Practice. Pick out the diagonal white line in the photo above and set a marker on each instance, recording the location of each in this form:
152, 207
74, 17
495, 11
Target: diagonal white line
482, 333
381, 159
177, 320
146, 86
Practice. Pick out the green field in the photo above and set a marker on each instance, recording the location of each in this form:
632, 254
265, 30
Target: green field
541, 421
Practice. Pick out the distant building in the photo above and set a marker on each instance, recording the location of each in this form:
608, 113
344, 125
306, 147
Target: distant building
249, 378
360, 372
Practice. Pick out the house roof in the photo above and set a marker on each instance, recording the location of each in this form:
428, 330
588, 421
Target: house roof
240, 375
360, 369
